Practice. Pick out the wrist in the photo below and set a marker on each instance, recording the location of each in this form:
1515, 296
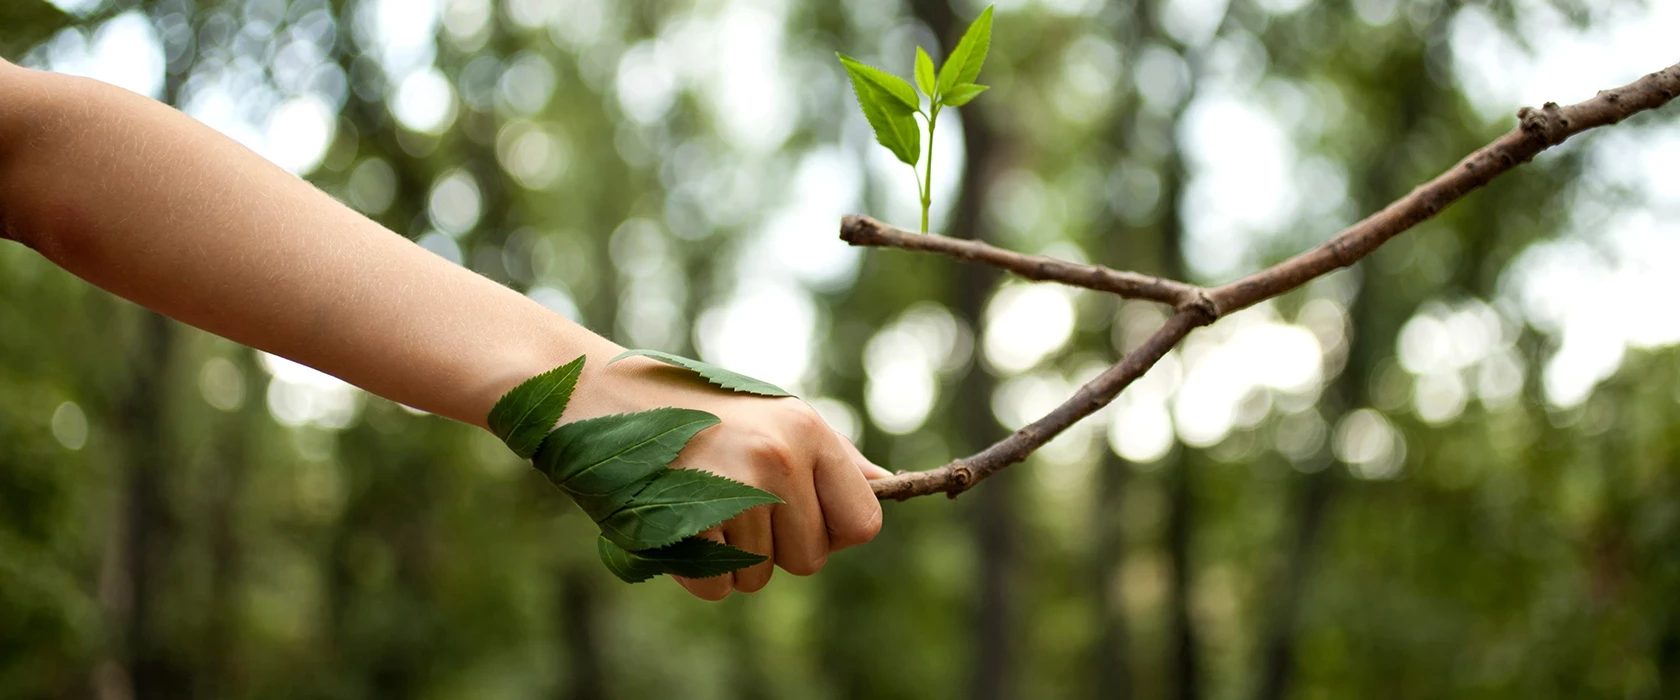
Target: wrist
628, 385
552, 342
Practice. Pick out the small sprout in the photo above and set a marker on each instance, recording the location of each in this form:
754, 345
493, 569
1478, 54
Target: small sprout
890, 104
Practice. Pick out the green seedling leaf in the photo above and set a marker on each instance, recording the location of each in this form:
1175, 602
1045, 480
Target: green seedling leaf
603, 462
711, 373
963, 94
894, 126
523, 416
906, 139
679, 503
924, 73
903, 96
963, 65
692, 557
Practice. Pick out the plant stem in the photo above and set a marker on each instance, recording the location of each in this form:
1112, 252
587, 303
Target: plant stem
927, 182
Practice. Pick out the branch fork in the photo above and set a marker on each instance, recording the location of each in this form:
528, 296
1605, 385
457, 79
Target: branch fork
1195, 306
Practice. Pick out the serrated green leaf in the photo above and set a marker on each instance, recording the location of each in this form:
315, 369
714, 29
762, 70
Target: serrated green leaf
693, 557
602, 462
906, 141
963, 94
712, 373
963, 65
523, 416
893, 124
924, 73
627, 568
903, 96
679, 503
979, 35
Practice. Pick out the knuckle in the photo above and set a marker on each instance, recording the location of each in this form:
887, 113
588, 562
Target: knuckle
807, 421
773, 452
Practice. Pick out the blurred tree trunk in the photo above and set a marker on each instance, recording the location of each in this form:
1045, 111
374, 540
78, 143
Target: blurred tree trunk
580, 634
1111, 667
146, 534
994, 626
1668, 652
1178, 467
1375, 315
220, 676
1311, 495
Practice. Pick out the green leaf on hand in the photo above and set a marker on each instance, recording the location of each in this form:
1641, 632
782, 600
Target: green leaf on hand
523, 416
886, 112
963, 94
963, 65
602, 462
924, 72
692, 557
712, 373
679, 503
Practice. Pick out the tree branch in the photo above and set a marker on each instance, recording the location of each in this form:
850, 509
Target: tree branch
861, 230
1537, 130
958, 476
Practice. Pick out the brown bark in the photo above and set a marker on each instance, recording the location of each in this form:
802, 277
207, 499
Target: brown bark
864, 231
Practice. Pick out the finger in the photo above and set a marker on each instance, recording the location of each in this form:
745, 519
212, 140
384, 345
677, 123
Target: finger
715, 588
751, 531
871, 470
796, 524
850, 510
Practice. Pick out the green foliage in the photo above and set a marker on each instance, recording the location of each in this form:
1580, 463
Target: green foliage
712, 373
538, 402
28, 22
924, 72
679, 503
693, 557
963, 94
602, 462
617, 469
889, 103
887, 109
903, 97
963, 65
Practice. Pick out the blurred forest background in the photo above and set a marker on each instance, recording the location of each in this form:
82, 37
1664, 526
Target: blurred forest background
1453, 471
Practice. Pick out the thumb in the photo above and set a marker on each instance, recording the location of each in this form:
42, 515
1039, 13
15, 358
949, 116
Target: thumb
870, 469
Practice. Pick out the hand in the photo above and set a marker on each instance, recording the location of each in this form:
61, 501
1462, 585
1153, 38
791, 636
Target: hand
780, 445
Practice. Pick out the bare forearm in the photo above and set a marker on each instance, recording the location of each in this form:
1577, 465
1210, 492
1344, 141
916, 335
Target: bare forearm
151, 205
155, 207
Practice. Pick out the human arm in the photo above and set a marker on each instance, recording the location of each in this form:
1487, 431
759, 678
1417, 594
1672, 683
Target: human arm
155, 207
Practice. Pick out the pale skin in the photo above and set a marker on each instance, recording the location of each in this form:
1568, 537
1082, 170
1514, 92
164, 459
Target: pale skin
157, 208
